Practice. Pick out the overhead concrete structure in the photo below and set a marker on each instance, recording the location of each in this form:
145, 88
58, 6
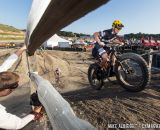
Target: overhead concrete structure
49, 16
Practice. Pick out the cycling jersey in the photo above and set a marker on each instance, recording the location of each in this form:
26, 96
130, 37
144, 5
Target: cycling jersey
105, 35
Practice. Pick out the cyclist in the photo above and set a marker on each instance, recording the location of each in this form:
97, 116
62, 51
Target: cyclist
107, 36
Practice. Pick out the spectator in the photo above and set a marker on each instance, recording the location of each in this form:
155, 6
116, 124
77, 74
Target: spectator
8, 83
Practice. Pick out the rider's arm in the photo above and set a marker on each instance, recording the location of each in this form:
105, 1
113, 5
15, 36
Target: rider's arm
97, 38
116, 41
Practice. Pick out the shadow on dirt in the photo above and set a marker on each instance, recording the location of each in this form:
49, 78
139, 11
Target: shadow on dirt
114, 91
155, 82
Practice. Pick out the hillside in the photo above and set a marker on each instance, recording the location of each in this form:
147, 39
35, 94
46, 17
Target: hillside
7, 28
10, 33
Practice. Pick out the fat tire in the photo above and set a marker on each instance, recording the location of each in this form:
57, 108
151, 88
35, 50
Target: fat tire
145, 71
91, 67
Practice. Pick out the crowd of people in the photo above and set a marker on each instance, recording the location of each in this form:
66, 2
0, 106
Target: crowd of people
143, 42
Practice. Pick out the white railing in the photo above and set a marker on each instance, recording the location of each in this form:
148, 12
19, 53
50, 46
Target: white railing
59, 111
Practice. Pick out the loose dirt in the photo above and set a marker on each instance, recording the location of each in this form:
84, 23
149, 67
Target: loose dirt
111, 105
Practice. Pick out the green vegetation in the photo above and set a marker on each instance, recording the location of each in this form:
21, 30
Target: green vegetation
10, 33
71, 34
141, 35
7, 28
11, 38
126, 36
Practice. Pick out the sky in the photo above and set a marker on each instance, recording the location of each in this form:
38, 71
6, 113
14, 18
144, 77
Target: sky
136, 15
15, 12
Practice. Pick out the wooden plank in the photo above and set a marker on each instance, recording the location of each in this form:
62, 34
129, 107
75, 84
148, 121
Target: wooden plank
57, 15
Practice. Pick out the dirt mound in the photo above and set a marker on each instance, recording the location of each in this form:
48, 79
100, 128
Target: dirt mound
46, 66
71, 55
47, 63
112, 104
71, 76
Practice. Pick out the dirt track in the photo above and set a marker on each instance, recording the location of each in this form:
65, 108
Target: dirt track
111, 105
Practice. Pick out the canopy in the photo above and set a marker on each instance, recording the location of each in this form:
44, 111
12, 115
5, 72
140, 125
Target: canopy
80, 43
55, 40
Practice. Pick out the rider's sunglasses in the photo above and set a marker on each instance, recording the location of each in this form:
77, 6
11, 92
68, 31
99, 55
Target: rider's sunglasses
119, 28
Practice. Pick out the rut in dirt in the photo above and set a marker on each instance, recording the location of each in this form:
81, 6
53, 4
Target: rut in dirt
114, 105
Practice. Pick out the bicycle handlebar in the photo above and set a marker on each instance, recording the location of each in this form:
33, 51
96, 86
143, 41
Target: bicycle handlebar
113, 45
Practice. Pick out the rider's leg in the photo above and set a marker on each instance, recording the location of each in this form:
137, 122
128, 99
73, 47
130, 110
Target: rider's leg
105, 60
113, 62
112, 58
104, 56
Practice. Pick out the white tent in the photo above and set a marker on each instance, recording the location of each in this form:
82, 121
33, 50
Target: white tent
80, 42
56, 41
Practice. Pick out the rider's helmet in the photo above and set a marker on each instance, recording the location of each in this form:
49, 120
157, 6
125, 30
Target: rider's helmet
117, 24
